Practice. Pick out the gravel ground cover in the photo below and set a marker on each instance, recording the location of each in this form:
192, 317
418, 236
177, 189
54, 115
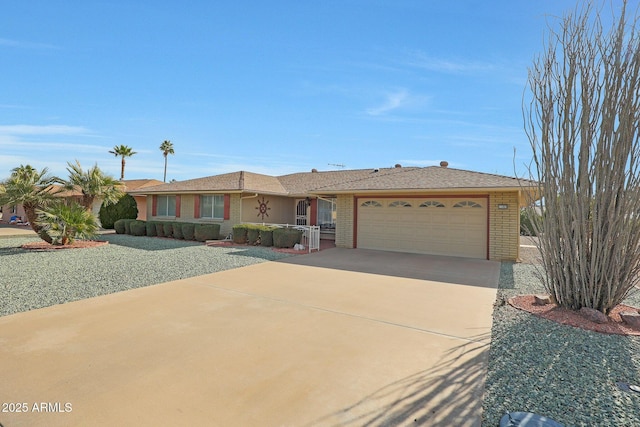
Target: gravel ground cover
565, 373
35, 279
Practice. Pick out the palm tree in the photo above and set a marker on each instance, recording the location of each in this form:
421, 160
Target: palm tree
32, 189
167, 148
65, 222
122, 151
93, 183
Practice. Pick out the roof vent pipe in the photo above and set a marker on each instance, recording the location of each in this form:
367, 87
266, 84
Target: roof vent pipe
314, 170
398, 165
444, 164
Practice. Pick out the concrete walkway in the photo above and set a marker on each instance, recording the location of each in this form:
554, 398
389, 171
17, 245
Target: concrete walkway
12, 231
272, 344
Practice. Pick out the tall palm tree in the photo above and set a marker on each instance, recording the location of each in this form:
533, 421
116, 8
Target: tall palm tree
167, 148
122, 151
93, 183
31, 188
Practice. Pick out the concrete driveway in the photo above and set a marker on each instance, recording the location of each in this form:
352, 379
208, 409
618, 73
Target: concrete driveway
274, 344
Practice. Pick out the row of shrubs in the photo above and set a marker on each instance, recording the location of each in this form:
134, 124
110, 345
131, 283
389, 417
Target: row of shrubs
265, 235
252, 234
177, 230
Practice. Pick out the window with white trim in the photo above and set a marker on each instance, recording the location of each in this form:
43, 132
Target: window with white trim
166, 206
212, 206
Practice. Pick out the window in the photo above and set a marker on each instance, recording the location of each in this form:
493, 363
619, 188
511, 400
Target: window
212, 207
327, 214
166, 206
431, 204
371, 204
399, 203
467, 204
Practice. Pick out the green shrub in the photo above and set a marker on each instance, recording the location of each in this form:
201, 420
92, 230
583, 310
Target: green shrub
253, 234
138, 228
151, 229
526, 223
125, 208
207, 232
119, 226
240, 233
266, 235
177, 230
168, 229
160, 229
188, 231
286, 237
127, 225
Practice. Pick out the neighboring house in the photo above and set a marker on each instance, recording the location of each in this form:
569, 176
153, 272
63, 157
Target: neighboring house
432, 210
141, 199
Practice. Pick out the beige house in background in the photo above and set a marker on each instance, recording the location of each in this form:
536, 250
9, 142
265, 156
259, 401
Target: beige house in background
431, 210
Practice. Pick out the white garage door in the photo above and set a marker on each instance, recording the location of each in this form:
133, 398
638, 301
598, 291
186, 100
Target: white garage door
439, 226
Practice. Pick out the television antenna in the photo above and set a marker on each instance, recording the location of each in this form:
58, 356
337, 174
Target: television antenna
338, 165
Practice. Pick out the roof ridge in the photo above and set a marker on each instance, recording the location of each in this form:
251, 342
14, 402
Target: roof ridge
392, 171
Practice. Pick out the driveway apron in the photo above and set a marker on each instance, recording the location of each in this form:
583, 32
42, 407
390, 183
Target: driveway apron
292, 343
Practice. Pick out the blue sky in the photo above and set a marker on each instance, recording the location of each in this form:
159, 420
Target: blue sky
269, 87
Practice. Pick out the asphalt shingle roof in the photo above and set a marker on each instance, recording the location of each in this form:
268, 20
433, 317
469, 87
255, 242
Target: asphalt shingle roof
302, 183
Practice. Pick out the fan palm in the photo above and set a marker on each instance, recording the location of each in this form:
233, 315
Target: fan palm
31, 188
93, 184
167, 148
122, 151
67, 222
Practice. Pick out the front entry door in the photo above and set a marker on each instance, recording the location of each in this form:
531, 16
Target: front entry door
301, 212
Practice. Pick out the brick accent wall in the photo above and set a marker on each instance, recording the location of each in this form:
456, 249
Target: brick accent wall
504, 227
344, 222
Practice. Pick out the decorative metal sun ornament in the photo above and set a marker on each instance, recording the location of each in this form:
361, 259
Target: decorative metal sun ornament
262, 208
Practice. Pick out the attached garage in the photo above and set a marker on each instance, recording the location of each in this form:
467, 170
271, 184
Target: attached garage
444, 225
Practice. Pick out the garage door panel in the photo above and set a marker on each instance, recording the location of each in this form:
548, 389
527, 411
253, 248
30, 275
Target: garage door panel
458, 227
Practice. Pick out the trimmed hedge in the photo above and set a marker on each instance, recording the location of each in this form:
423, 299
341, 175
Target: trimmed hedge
127, 225
188, 231
253, 234
177, 231
138, 228
240, 233
286, 237
160, 229
151, 229
207, 232
119, 226
167, 228
125, 208
266, 235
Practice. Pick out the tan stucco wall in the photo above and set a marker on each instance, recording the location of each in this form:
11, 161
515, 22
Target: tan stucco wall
504, 227
344, 221
6, 213
141, 203
281, 209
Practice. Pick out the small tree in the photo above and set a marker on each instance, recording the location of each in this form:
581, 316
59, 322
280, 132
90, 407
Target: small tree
66, 222
93, 184
125, 208
31, 188
583, 123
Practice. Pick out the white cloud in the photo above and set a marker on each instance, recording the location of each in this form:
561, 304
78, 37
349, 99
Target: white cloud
393, 101
447, 65
43, 130
25, 45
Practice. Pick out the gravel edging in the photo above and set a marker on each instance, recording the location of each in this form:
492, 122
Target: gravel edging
31, 279
558, 371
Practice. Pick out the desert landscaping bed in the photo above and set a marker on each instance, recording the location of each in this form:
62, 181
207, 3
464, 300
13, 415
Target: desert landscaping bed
560, 371
31, 279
